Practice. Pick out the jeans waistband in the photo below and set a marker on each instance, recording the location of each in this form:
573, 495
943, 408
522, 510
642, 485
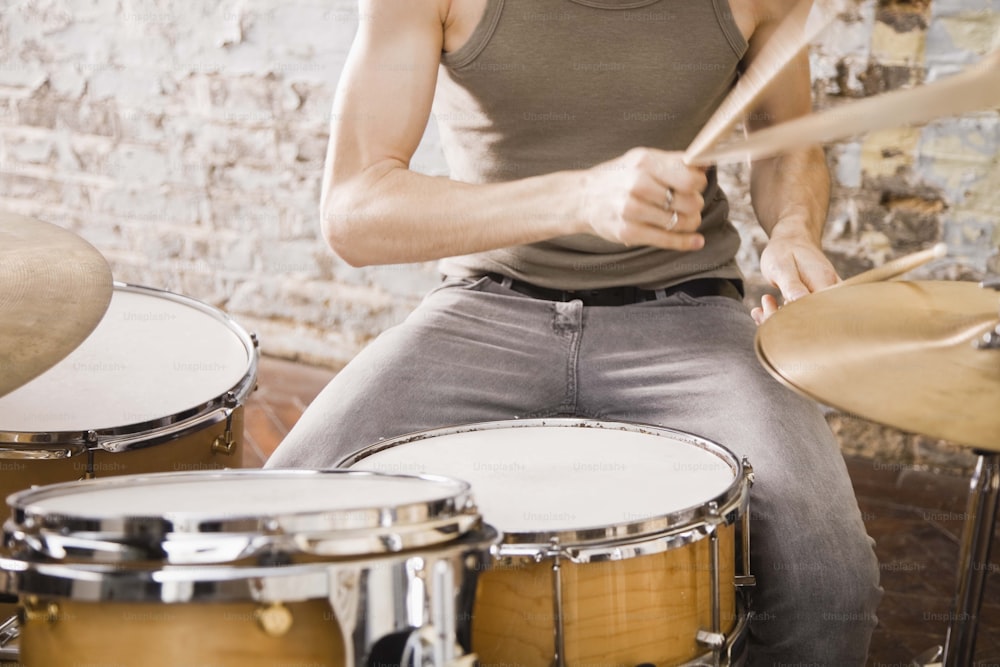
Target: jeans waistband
623, 296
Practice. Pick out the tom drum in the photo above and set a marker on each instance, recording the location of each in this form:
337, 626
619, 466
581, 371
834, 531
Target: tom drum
620, 541
158, 386
246, 567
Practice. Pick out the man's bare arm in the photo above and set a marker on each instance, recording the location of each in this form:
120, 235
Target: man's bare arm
801, 176
790, 192
374, 210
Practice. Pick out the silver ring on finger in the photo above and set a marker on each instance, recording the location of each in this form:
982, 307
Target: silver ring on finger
669, 201
673, 221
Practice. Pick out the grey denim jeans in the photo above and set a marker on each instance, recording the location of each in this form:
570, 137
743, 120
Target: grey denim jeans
477, 351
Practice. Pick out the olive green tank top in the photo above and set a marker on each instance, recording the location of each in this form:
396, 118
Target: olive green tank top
551, 85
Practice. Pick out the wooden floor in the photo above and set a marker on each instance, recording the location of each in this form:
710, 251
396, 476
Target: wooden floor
916, 518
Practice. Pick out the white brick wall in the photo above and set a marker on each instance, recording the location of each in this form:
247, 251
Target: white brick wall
186, 141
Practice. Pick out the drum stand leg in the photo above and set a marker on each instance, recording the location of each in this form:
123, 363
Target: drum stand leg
974, 558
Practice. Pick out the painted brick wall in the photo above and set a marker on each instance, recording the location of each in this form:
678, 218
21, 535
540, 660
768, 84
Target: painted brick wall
186, 139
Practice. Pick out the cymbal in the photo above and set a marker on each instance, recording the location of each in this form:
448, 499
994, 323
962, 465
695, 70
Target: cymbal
54, 289
898, 353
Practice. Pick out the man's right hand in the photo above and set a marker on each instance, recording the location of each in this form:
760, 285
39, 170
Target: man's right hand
632, 199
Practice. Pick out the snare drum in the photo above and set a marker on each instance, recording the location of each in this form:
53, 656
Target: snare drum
255, 568
620, 543
157, 387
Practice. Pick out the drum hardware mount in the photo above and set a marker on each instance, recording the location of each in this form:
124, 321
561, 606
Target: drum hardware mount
431, 645
274, 619
225, 443
344, 598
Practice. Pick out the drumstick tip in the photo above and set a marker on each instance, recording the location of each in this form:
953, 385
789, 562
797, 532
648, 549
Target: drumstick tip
940, 250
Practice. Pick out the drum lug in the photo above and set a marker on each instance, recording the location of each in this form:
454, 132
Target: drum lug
990, 340
715, 586
746, 580
712, 640
275, 619
747, 471
91, 438
558, 632
34, 610
255, 341
225, 443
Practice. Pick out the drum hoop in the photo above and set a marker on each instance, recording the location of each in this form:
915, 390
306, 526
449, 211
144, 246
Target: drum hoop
222, 583
602, 542
125, 538
621, 547
128, 436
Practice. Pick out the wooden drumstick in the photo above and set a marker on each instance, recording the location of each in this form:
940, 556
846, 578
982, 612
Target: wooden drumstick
896, 267
977, 88
795, 32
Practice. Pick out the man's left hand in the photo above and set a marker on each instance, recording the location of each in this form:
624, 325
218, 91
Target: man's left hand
797, 266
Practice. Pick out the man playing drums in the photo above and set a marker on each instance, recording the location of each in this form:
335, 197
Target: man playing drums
589, 272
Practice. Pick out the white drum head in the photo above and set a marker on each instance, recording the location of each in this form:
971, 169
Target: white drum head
154, 355
549, 478
229, 494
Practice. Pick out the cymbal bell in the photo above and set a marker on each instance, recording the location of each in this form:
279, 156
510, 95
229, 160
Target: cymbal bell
899, 353
54, 289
